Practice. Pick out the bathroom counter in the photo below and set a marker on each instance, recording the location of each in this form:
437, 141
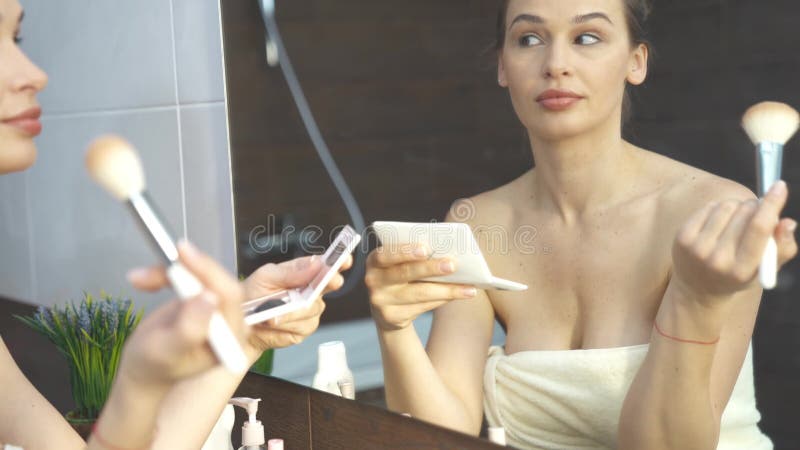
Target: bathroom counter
308, 419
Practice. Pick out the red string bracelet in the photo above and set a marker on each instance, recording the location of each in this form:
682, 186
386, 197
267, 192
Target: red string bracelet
108, 445
684, 341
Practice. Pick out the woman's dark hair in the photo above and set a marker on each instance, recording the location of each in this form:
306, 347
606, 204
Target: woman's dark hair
636, 13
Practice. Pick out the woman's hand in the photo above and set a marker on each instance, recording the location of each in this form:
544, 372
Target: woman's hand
168, 349
295, 327
287, 330
718, 251
171, 342
397, 297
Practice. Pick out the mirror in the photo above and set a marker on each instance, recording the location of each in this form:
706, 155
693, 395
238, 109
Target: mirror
407, 101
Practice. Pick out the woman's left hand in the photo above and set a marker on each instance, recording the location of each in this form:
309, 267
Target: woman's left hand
295, 327
717, 253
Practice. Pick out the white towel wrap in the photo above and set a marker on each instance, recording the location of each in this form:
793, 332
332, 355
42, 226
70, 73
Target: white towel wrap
572, 399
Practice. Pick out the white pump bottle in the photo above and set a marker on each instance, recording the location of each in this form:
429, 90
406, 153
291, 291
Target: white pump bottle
253, 430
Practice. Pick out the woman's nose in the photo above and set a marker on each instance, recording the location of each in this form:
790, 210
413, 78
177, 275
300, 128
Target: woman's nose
28, 75
556, 64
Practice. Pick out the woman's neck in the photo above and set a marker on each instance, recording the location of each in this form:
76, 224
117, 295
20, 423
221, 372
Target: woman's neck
576, 176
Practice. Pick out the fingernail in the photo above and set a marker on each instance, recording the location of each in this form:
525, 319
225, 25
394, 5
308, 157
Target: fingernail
135, 275
421, 252
209, 297
469, 292
188, 248
447, 267
779, 188
792, 227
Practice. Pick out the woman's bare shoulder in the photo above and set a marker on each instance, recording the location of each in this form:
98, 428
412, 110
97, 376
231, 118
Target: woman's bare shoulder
687, 189
490, 207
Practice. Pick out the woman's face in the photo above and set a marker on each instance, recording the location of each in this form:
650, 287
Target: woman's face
20, 81
566, 64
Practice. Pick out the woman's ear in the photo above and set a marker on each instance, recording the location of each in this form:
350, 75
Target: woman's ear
501, 71
637, 71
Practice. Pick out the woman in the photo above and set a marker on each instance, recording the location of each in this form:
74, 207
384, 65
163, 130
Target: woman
168, 378
640, 313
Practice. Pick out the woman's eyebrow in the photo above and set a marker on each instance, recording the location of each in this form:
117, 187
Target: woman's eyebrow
526, 18
583, 18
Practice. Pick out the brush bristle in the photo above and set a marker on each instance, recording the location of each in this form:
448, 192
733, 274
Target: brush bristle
115, 165
771, 122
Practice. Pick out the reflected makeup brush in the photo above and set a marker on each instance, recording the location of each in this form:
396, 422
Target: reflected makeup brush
769, 125
114, 164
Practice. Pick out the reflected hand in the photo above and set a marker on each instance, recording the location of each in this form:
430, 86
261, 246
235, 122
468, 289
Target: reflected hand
295, 327
397, 297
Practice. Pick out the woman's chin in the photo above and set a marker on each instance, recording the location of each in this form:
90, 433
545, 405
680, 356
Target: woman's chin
16, 158
566, 125
557, 131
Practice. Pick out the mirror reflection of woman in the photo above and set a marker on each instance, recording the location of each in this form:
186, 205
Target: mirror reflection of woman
636, 329
169, 389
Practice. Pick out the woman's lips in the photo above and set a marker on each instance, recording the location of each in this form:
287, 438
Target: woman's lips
27, 122
557, 100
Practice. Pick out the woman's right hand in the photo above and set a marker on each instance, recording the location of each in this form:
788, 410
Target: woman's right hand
397, 296
170, 343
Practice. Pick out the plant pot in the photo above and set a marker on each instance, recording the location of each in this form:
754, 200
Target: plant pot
81, 425
263, 365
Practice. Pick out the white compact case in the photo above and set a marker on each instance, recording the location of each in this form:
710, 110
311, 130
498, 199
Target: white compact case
447, 240
283, 302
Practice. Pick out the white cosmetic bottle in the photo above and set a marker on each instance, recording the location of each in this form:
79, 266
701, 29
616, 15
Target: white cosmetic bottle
333, 375
497, 435
252, 430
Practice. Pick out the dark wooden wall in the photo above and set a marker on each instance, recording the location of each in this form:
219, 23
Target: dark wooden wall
406, 95
713, 60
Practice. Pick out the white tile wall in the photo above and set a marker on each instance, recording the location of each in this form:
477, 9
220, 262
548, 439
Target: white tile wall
102, 55
83, 238
15, 259
132, 68
198, 51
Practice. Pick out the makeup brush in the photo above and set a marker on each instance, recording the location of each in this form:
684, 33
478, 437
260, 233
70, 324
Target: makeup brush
770, 125
115, 165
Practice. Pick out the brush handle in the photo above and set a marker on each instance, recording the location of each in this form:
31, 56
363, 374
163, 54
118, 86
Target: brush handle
768, 270
769, 162
220, 336
225, 345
